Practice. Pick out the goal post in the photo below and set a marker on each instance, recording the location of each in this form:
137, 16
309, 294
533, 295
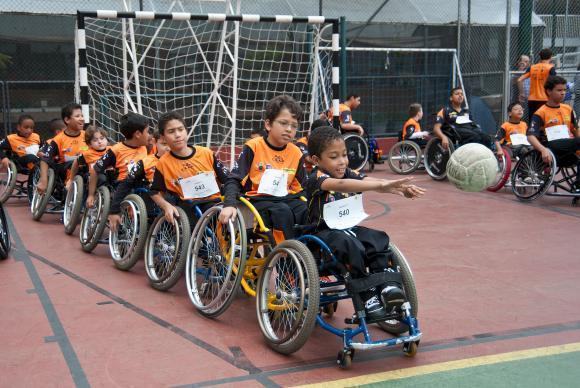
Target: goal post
217, 70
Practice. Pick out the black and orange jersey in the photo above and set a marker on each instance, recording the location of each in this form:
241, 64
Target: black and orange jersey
317, 197
89, 157
121, 157
172, 168
410, 127
448, 115
507, 129
153, 150
65, 148
258, 156
302, 143
141, 175
538, 74
344, 114
19, 145
547, 116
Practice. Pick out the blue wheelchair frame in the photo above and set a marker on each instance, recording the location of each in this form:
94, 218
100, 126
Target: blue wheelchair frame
347, 334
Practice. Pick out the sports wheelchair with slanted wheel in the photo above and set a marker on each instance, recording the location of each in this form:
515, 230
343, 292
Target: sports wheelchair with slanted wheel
532, 177
54, 196
291, 299
10, 185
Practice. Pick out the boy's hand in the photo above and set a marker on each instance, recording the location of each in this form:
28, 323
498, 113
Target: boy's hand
228, 213
445, 142
170, 213
5, 162
90, 201
41, 185
412, 191
499, 151
546, 157
402, 188
68, 184
388, 186
114, 221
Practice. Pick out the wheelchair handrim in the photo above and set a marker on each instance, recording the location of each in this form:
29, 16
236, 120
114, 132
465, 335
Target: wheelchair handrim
151, 264
128, 229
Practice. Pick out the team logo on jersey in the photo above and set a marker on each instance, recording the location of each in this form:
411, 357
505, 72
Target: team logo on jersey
553, 121
278, 159
186, 165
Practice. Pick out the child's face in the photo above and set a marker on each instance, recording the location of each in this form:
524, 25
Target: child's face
557, 94
516, 113
175, 135
99, 142
162, 147
26, 128
282, 130
76, 121
333, 160
457, 97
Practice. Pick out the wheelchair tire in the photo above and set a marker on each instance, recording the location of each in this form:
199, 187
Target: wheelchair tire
39, 202
73, 203
357, 150
94, 220
404, 157
289, 262
8, 181
33, 178
165, 260
216, 261
127, 243
5, 242
531, 177
505, 169
436, 158
394, 326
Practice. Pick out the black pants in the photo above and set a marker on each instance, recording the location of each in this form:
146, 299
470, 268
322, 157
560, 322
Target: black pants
565, 152
27, 161
533, 106
473, 135
368, 248
282, 216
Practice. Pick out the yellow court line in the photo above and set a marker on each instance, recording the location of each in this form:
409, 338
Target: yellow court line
450, 365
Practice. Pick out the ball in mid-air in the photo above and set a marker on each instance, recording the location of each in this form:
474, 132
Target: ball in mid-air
472, 167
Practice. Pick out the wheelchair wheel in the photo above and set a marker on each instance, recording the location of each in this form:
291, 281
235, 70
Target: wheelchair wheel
531, 177
404, 157
436, 158
127, 243
94, 220
33, 178
357, 151
73, 205
165, 250
40, 201
215, 262
5, 243
395, 326
288, 297
504, 171
8, 181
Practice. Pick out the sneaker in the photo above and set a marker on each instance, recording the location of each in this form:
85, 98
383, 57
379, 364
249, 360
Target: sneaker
393, 297
374, 308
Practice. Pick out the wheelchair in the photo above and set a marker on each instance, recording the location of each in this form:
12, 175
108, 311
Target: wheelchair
52, 201
362, 150
533, 178
10, 185
406, 156
5, 242
292, 299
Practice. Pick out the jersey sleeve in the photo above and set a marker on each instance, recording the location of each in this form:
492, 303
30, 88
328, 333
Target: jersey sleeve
136, 174
303, 148
409, 131
440, 119
553, 70
346, 117
241, 170
50, 152
4, 147
221, 171
301, 176
351, 174
500, 135
574, 120
108, 160
158, 184
536, 125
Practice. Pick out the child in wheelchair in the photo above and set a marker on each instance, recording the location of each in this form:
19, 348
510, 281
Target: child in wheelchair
412, 129
334, 211
96, 139
554, 127
22, 146
512, 133
270, 171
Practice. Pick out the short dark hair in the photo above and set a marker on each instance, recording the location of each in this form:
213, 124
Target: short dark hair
554, 80
258, 131
414, 108
454, 90
91, 131
545, 54
156, 135
131, 123
352, 95
67, 110
166, 118
276, 104
318, 123
511, 106
56, 125
22, 118
321, 138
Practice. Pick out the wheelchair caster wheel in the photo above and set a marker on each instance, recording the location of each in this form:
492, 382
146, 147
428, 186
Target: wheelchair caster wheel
410, 349
344, 358
330, 309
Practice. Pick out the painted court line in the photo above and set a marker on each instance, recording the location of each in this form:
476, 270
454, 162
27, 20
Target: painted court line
450, 366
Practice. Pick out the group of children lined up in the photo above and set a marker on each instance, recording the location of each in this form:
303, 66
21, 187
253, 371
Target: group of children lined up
270, 171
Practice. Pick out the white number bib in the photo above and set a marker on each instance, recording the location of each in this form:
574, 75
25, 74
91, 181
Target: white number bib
557, 132
519, 139
32, 149
344, 213
199, 186
70, 158
274, 183
462, 120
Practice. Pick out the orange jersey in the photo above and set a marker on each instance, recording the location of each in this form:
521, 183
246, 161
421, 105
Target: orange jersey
171, 169
90, 156
538, 74
121, 157
149, 166
344, 114
410, 127
546, 117
507, 129
67, 148
20, 145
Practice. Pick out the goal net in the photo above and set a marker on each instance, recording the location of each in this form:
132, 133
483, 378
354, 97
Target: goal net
217, 70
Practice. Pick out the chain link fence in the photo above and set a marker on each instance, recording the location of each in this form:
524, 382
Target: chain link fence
37, 50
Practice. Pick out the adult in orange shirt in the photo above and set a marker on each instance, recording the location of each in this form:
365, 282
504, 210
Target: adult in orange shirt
538, 74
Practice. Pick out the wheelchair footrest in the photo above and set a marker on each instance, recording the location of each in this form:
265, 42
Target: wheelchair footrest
354, 320
373, 280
